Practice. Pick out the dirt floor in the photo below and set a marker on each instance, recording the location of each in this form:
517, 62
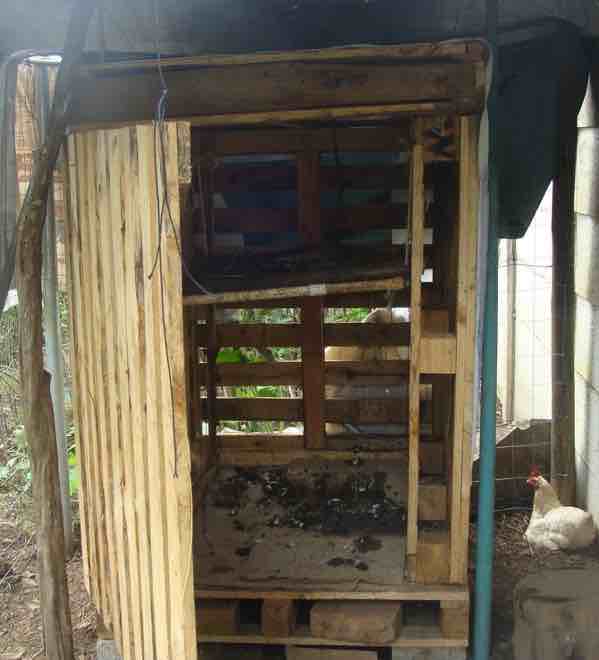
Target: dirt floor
20, 626
20, 636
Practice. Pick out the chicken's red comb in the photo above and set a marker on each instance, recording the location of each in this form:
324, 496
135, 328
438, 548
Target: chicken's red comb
534, 471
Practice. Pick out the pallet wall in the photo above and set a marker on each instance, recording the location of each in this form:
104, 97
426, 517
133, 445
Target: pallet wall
129, 398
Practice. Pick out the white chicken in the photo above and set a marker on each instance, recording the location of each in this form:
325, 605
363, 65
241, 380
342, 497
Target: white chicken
553, 526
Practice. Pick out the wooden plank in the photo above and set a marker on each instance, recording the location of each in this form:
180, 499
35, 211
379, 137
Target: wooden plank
86, 153
244, 458
175, 445
412, 637
260, 441
73, 265
259, 373
258, 409
366, 411
123, 452
460, 50
308, 188
228, 142
217, 617
432, 500
278, 618
461, 476
106, 393
432, 557
125, 458
217, 92
367, 334
409, 591
317, 289
235, 177
134, 324
438, 354
455, 620
416, 270
264, 220
150, 292
260, 335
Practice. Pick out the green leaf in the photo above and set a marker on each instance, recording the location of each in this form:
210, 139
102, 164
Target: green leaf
229, 356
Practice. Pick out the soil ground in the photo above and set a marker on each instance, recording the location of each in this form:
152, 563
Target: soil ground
20, 625
20, 629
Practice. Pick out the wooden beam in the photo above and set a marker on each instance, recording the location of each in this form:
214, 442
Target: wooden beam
35, 380
461, 459
310, 228
258, 409
280, 91
463, 50
416, 270
316, 289
563, 312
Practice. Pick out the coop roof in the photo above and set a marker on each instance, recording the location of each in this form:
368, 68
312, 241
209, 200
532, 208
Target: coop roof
537, 60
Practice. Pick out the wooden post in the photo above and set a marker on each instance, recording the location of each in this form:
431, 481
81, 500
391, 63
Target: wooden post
308, 166
563, 460
416, 269
35, 380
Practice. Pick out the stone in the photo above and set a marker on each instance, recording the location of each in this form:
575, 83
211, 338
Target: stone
106, 649
356, 621
555, 615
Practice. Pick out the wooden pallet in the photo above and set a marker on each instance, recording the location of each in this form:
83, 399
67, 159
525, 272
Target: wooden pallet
284, 619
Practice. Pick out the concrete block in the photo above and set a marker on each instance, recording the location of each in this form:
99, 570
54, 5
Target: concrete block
106, 649
356, 621
555, 614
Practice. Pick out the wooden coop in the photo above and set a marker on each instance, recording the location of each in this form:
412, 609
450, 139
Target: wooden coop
259, 465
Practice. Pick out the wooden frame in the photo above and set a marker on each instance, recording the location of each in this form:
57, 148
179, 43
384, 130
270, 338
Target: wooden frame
142, 393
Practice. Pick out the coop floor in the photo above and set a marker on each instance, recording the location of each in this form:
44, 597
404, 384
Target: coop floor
310, 526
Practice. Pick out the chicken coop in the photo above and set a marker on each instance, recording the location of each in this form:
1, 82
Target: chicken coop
272, 266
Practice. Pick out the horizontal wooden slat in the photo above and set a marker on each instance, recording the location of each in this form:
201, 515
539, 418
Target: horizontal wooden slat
367, 334
366, 411
265, 220
290, 141
257, 409
254, 334
279, 442
463, 50
234, 298
264, 178
260, 373
367, 299
367, 372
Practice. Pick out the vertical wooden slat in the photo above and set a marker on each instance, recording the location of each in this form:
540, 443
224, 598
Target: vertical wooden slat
465, 349
313, 372
86, 149
135, 324
416, 270
131, 392
72, 256
105, 361
177, 457
111, 349
118, 193
308, 186
150, 274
